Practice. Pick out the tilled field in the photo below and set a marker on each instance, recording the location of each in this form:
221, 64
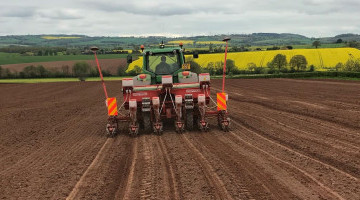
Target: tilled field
109, 65
290, 139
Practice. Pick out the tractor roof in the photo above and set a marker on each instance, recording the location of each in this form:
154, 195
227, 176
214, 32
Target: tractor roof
162, 50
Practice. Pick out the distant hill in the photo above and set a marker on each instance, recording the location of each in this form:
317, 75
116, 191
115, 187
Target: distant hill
254, 39
344, 37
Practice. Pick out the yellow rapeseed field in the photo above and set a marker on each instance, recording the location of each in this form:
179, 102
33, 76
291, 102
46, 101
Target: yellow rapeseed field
191, 42
210, 42
59, 38
128, 50
322, 59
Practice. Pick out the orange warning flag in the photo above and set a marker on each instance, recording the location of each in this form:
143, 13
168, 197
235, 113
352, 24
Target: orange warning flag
221, 101
112, 107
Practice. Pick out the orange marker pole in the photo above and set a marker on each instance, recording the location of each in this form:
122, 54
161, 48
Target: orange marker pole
101, 76
224, 71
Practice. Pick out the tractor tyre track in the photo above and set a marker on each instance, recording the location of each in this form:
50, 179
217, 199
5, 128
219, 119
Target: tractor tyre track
213, 178
329, 190
124, 194
173, 193
94, 163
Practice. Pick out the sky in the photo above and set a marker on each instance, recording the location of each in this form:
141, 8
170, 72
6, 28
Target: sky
312, 18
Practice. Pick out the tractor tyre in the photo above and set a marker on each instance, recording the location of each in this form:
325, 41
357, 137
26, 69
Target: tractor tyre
189, 120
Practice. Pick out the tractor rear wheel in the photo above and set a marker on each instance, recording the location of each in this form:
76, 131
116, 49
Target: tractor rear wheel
189, 120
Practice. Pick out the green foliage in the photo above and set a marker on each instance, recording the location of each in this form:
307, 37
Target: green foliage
121, 71
218, 68
230, 66
34, 72
1, 70
316, 43
195, 67
29, 72
278, 63
42, 71
14, 58
218, 49
211, 47
105, 73
273, 48
137, 70
352, 65
94, 72
253, 68
354, 44
238, 49
312, 68
81, 70
8, 74
298, 63
214, 68
65, 70
209, 68
338, 41
339, 66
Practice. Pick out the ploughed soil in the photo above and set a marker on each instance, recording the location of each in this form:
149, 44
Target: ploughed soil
109, 65
290, 139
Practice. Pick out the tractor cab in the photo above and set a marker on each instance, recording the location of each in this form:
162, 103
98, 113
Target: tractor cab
165, 61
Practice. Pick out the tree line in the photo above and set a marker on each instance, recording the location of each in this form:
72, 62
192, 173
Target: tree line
54, 51
279, 64
212, 48
80, 70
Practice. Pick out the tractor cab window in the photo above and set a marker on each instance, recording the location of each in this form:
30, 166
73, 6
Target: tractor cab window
163, 63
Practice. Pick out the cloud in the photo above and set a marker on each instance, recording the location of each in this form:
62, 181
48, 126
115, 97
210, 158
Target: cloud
145, 8
60, 14
312, 18
17, 12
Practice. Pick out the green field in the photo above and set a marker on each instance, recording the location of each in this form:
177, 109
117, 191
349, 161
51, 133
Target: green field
53, 80
15, 58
